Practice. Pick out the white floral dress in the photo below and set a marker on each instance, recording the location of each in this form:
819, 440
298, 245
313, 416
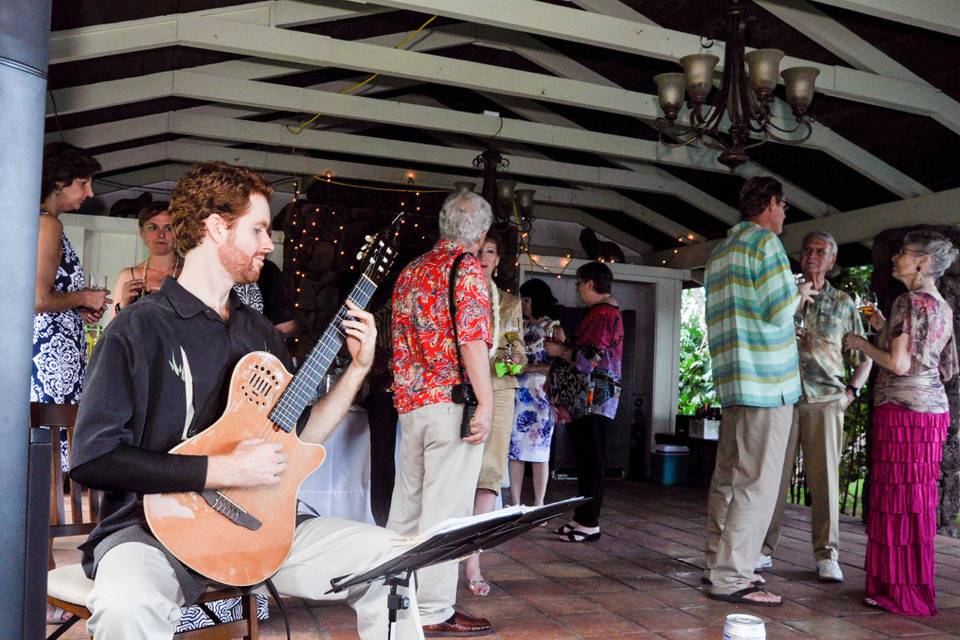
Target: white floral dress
59, 344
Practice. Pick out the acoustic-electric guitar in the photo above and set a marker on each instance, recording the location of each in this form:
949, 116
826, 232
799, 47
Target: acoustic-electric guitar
241, 536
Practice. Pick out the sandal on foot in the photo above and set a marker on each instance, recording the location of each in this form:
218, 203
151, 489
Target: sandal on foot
56, 615
758, 580
479, 587
740, 597
565, 529
873, 604
575, 535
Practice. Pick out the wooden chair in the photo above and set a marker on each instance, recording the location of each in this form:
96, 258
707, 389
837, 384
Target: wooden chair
68, 586
76, 520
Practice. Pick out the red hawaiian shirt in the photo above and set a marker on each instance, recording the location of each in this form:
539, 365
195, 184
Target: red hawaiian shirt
424, 357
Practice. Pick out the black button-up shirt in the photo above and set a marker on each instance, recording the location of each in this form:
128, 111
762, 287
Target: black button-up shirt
159, 373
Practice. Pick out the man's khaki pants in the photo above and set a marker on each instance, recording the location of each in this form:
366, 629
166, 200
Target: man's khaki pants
743, 491
436, 480
819, 428
498, 442
136, 595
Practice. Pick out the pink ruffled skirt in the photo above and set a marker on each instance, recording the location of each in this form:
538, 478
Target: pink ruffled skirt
902, 522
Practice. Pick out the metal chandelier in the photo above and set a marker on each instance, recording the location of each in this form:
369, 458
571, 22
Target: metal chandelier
739, 116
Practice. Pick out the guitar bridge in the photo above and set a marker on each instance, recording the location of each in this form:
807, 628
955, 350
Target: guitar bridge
230, 510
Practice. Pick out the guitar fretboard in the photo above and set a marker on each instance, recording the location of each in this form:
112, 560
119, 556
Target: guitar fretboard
302, 390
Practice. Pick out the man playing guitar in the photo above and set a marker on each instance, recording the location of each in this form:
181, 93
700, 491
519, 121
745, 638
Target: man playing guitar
160, 374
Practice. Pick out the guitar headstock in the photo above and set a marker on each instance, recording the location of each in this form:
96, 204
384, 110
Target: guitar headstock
379, 251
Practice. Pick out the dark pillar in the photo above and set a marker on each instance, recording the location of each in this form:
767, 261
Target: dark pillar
887, 289
24, 42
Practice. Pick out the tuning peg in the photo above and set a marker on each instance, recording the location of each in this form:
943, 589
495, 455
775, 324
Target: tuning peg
359, 255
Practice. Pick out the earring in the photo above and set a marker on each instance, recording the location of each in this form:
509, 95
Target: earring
918, 269
495, 271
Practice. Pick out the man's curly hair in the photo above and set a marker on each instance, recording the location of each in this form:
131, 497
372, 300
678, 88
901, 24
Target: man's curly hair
211, 187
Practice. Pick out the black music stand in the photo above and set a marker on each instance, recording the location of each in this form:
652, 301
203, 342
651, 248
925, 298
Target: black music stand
455, 541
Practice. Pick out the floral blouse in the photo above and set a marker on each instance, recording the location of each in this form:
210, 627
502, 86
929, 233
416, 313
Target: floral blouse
933, 350
598, 353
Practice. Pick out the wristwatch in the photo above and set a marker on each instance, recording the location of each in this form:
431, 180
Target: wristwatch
854, 390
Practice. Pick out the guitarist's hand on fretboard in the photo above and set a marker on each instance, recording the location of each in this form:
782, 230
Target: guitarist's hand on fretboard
252, 463
361, 333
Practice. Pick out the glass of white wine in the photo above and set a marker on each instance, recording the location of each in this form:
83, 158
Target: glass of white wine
799, 322
868, 306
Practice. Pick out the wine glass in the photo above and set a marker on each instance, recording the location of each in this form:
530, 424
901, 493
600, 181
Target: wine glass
96, 281
868, 306
799, 322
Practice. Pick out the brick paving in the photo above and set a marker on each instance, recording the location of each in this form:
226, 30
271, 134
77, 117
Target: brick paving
641, 581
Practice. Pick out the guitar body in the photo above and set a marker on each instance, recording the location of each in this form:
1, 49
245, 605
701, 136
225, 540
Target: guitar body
206, 539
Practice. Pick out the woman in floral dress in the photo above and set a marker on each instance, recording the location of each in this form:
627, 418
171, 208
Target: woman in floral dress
62, 302
533, 415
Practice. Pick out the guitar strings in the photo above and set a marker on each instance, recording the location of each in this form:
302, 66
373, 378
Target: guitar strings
329, 342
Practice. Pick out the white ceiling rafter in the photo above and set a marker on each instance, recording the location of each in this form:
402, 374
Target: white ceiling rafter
227, 129
189, 153
688, 157
935, 15
851, 226
566, 134
84, 43
647, 40
119, 92
204, 87
824, 138
837, 39
470, 75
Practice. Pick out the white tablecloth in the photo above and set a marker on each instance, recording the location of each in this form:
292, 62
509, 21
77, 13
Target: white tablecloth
341, 486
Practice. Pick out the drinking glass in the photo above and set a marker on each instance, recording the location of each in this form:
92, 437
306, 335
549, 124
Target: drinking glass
798, 316
868, 306
96, 281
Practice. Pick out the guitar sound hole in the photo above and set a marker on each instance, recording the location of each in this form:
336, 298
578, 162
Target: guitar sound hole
260, 386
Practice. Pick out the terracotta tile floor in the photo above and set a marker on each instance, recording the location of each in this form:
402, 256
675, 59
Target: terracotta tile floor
641, 581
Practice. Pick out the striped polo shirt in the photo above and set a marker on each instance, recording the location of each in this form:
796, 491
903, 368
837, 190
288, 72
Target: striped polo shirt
751, 297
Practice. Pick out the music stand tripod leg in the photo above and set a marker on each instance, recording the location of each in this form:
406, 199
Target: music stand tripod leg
395, 601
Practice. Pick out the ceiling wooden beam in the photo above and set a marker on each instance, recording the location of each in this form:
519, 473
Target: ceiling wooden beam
183, 154
935, 15
647, 40
852, 226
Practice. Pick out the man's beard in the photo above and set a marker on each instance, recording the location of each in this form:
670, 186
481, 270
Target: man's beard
243, 268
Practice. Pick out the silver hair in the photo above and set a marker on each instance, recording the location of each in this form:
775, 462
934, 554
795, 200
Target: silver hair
942, 252
464, 218
821, 235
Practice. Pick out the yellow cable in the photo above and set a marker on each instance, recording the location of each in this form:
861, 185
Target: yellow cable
361, 186
298, 130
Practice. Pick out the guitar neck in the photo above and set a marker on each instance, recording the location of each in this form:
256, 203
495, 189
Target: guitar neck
302, 390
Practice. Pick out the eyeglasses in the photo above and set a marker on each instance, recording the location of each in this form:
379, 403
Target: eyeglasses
905, 250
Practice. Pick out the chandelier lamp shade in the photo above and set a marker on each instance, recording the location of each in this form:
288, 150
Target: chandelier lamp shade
739, 115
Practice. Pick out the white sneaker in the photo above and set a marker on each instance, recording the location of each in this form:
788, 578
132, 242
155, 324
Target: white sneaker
829, 571
763, 562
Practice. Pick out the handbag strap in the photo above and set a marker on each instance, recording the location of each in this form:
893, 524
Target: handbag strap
451, 290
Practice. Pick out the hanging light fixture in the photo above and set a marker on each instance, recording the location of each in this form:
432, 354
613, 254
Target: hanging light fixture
743, 101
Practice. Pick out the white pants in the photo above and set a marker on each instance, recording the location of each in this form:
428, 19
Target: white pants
436, 480
136, 594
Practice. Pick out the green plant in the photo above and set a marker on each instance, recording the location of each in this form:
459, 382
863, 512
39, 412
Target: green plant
696, 380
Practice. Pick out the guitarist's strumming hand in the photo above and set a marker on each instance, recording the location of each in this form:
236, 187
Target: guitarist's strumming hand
252, 463
361, 333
